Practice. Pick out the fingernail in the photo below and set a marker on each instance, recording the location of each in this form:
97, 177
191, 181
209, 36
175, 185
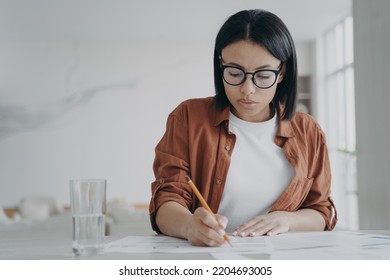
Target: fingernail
221, 232
235, 233
253, 233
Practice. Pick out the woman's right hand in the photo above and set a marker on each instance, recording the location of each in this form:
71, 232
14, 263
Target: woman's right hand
203, 229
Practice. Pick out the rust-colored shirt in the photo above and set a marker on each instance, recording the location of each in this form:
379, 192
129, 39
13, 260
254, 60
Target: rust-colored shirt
197, 142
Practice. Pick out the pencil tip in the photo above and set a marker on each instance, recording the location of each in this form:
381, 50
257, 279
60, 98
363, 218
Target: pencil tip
227, 239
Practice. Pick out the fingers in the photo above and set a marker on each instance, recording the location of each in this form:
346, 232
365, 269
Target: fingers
255, 227
206, 229
222, 221
214, 226
269, 224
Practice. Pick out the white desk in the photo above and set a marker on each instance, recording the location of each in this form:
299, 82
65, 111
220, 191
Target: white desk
51, 239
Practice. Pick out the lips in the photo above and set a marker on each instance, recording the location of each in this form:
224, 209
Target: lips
246, 102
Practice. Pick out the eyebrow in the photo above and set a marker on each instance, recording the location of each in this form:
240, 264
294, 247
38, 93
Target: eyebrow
266, 66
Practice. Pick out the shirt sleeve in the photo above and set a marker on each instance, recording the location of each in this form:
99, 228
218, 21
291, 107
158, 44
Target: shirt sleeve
171, 166
319, 197
307, 151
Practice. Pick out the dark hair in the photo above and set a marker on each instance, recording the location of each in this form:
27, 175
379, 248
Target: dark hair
269, 31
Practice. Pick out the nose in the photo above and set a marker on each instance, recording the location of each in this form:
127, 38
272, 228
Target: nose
248, 87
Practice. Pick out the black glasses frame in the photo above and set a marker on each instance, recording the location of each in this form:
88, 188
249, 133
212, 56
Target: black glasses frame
277, 72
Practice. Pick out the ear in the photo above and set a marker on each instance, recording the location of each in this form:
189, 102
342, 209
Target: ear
282, 73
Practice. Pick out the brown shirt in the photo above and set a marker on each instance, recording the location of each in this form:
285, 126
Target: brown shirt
197, 142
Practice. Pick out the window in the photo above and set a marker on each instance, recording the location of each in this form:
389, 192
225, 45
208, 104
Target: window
336, 101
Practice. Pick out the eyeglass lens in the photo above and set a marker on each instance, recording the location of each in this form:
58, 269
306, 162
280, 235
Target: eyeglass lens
236, 76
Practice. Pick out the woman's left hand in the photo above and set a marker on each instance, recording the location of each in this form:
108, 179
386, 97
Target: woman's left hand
269, 224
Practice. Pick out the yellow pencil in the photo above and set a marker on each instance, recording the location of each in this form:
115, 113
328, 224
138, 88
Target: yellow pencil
204, 204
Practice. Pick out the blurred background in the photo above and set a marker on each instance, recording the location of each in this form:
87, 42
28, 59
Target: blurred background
86, 87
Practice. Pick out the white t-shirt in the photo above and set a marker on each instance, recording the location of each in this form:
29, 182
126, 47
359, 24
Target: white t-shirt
258, 173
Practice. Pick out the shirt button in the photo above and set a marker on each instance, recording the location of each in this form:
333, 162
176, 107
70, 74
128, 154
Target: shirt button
227, 148
219, 181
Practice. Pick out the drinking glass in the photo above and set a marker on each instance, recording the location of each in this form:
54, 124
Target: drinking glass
88, 205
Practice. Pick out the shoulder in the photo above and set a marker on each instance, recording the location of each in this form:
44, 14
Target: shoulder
195, 104
301, 118
194, 108
305, 124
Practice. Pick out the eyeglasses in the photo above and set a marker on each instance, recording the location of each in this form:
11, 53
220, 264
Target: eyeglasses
264, 78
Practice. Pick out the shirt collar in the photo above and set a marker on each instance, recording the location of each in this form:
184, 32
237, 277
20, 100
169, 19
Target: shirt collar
285, 129
221, 115
284, 126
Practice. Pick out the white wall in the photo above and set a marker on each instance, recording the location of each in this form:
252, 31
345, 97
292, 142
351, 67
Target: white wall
92, 110
86, 86
372, 60
306, 58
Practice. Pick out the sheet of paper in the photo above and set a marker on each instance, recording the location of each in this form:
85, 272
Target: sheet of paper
166, 244
326, 239
330, 245
304, 245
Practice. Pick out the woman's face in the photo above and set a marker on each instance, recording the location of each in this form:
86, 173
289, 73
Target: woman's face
250, 103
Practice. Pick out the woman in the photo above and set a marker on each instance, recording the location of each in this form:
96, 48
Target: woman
263, 168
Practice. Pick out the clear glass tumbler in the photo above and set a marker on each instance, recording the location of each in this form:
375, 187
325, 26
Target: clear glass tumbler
88, 204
